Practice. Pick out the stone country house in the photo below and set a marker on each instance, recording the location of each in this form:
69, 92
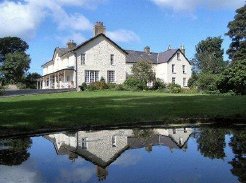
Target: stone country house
101, 57
102, 148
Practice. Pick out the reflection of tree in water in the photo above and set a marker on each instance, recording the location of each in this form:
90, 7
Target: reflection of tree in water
145, 135
238, 144
14, 151
211, 142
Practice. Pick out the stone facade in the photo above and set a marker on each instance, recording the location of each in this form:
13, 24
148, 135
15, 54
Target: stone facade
100, 57
97, 58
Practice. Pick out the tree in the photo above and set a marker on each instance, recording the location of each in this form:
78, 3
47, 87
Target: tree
17, 153
237, 32
15, 66
209, 55
11, 45
31, 80
211, 143
143, 72
233, 78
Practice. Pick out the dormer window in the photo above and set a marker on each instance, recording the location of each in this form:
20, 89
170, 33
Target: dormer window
112, 59
178, 56
82, 59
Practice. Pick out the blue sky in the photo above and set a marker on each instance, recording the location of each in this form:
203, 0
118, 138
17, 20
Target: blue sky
133, 24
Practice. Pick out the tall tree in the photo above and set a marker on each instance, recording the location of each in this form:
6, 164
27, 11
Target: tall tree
237, 32
15, 66
209, 55
11, 45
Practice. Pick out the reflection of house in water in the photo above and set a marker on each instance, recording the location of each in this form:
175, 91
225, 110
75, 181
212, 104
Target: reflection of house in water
104, 147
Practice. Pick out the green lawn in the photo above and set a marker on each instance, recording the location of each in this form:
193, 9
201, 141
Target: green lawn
113, 107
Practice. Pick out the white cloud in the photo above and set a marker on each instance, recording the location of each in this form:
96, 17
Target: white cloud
123, 36
193, 4
23, 18
75, 36
19, 174
86, 3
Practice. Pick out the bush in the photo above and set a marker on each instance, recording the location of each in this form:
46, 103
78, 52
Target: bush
133, 83
98, 85
159, 84
1, 90
192, 82
174, 88
120, 87
207, 82
83, 87
192, 90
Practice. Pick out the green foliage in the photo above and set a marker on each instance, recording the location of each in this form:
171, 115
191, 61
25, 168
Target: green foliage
193, 80
98, 85
31, 80
209, 55
237, 32
207, 82
174, 88
143, 73
11, 45
102, 79
159, 84
233, 78
116, 87
1, 90
15, 66
83, 87
132, 83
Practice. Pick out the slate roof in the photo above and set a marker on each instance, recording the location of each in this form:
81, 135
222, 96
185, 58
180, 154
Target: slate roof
155, 58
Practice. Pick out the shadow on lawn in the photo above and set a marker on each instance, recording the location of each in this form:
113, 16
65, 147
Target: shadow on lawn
77, 111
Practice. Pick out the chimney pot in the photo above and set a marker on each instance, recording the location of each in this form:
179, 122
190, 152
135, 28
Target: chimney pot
99, 28
71, 44
147, 49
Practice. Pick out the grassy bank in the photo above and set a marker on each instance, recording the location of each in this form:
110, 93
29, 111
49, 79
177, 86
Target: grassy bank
112, 107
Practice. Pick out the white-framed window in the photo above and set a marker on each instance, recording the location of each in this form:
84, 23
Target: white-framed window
112, 59
91, 76
173, 68
84, 143
114, 141
82, 59
111, 76
173, 80
183, 67
184, 82
178, 56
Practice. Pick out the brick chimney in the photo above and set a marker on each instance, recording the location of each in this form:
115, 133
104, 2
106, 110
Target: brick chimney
147, 49
71, 44
99, 28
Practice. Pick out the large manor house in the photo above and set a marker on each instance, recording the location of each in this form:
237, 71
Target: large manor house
101, 57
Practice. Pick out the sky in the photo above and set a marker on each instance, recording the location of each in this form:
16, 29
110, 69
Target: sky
132, 24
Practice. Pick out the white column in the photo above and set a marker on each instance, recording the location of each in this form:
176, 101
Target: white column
59, 84
74, 78
64, 79
49, 82
37, 84
55, 81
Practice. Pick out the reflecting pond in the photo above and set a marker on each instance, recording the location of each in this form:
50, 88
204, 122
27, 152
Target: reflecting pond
127, 155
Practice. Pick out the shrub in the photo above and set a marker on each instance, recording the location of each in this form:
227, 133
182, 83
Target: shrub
192, 82
191, 90
1, 90
120, 87
174, 88
133, 83
83, 87
159, 84
98, 85
207, 82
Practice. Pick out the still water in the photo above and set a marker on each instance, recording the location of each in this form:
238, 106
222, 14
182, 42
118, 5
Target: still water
127, 155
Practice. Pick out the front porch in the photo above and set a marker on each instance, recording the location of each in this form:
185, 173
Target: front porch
58, 80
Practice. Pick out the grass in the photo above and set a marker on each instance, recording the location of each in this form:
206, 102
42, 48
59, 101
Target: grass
76, 109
